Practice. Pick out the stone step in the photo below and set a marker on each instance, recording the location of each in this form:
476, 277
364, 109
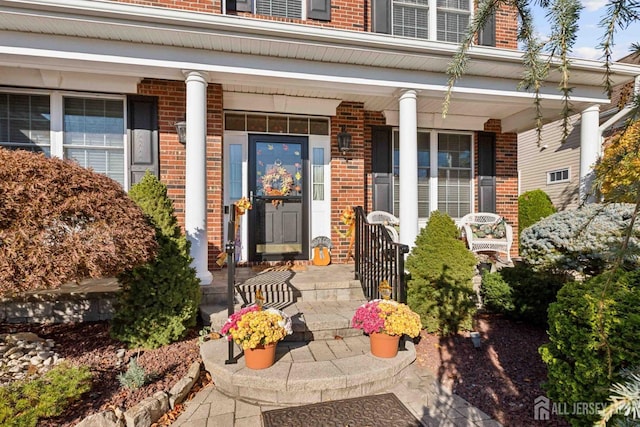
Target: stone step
311, 321
307, 372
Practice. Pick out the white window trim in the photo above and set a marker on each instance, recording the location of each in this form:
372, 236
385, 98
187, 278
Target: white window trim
432, 20
561, 181
56, 109
433, 166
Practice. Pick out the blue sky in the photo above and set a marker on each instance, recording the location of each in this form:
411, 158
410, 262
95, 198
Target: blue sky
590, 33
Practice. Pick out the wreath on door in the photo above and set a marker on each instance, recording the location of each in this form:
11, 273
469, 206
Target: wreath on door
277, 181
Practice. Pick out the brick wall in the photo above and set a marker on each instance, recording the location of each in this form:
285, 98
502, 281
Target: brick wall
506, 176
506, 27
345, 14
347, 175
171, 109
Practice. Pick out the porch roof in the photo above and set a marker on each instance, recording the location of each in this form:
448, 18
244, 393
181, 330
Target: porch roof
250, 55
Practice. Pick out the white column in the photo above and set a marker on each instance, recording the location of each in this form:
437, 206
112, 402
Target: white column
408, 168
590, 140
195, 216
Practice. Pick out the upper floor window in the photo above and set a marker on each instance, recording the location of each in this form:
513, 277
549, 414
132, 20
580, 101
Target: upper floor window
444, 20
558, 176
294, 9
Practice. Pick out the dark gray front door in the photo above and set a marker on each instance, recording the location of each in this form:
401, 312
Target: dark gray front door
278, 222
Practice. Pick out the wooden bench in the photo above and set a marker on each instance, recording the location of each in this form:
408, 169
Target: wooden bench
487, 232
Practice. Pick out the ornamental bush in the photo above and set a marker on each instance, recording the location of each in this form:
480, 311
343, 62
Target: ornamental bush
593, 331
441, 268
532, 207
159, 301
587, 239
60, 223
521, 293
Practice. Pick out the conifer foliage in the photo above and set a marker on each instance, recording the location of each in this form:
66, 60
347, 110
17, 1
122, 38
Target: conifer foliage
441, 268
159, 300
61, 223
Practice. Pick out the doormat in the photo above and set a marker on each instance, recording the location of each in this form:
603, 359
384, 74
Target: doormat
380, 410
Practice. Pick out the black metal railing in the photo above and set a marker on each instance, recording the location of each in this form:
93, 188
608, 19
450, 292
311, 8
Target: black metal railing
378, 258
230, 249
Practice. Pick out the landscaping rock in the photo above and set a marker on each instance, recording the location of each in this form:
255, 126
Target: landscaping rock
101, 419
181, 389
24, 354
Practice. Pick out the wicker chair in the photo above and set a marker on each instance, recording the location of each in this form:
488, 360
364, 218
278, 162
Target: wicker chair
483, 233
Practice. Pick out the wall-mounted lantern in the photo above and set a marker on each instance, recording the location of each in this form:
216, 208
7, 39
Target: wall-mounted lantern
181, 129
344, 141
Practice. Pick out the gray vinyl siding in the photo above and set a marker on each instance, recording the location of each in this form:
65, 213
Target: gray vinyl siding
534, 162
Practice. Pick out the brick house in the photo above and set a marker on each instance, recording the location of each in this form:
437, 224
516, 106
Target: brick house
264, 88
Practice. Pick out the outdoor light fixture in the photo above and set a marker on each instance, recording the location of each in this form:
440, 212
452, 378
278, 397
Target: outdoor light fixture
344, 141
181, 129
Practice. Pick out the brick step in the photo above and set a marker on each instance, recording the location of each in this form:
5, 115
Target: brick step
307, 372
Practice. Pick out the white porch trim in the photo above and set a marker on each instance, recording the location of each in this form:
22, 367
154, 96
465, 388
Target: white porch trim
590, 140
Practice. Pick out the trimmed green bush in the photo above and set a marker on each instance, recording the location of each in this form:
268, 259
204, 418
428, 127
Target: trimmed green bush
23, 403
61, 223
593, 331
532, 207
521, 293
587, 239
159, 301
441, 268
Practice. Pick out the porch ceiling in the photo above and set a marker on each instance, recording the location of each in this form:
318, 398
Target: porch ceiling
269, 57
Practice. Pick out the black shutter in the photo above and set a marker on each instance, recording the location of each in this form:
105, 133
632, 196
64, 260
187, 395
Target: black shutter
319, 9
143, 137
487, 35
381, 169
487, 172
382, 16
239, 5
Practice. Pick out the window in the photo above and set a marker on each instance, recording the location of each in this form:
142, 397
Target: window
282, 8
411, 18
93, 128
25, 122
454, 174
558, 176
235, 171
424, 168
453, 20
318, 173
94, 135
445, 20
276, 123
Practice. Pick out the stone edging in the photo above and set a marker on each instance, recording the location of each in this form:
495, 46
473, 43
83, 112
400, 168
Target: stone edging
150, 409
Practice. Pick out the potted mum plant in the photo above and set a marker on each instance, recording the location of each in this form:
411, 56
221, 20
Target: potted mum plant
385, 321
257, 331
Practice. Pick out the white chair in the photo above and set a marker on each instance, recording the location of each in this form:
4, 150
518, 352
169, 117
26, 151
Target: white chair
389, 221
475, 226
382, 217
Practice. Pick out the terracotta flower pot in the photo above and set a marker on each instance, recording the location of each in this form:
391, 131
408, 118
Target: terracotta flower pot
260, 357
384, 345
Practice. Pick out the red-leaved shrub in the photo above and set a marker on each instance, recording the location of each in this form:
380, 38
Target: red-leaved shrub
60, 223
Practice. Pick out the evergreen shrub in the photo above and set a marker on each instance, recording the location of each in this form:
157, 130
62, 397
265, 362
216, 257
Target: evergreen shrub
532, 207
23, 403
159, 301
593, 331
521, 293
587, 239
61, 223
441, 268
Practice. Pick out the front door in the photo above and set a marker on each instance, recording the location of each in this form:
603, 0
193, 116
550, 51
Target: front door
278, 222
